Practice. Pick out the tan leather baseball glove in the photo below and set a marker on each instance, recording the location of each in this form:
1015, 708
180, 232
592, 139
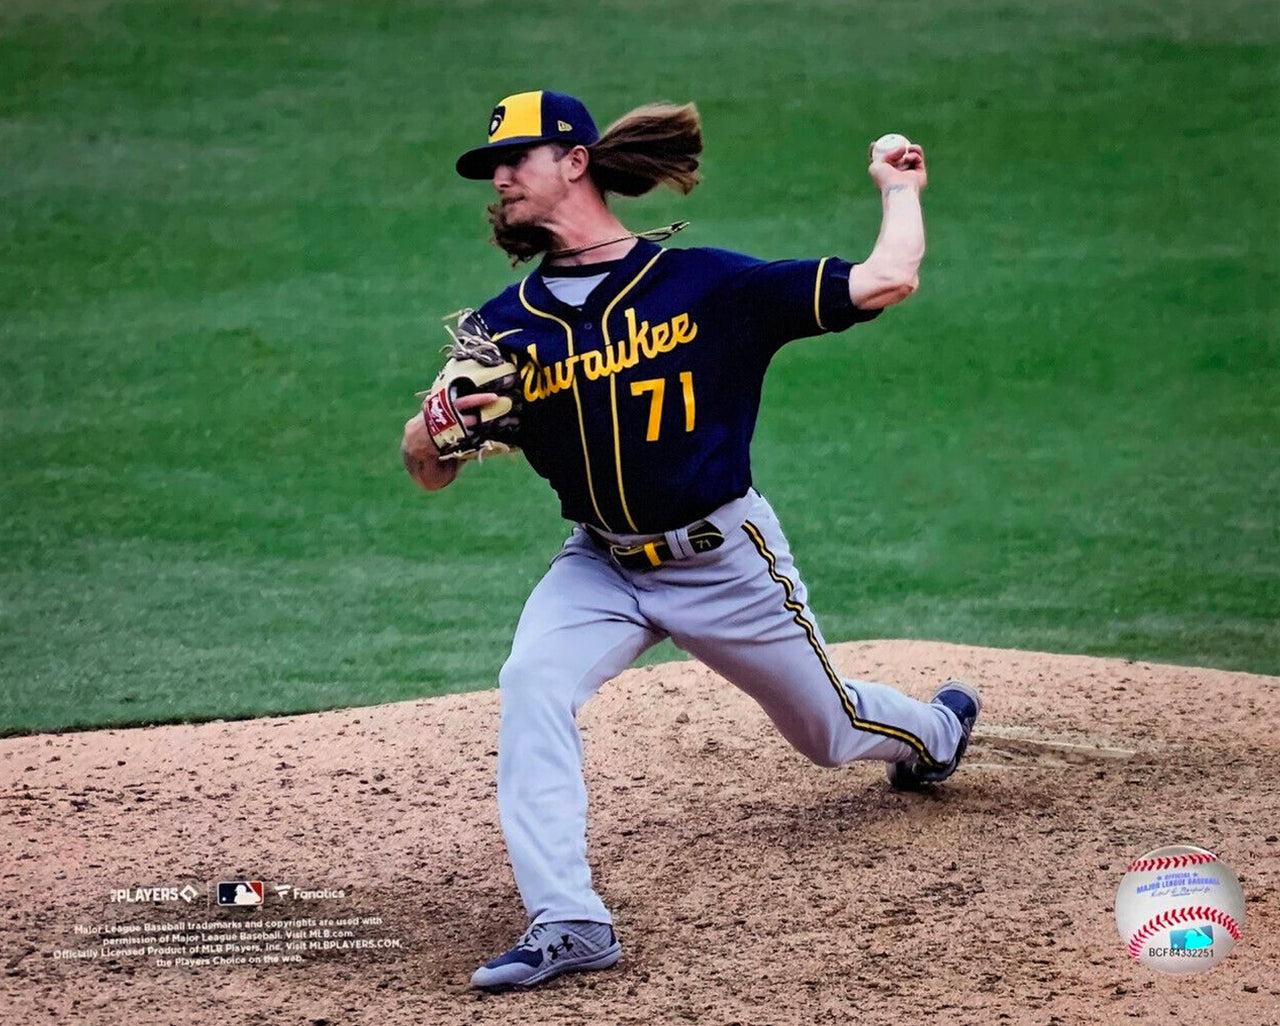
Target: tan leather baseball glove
476, 364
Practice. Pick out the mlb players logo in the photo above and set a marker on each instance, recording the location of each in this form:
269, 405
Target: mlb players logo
240, 892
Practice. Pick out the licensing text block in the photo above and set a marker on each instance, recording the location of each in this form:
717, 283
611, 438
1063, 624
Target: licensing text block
209, 942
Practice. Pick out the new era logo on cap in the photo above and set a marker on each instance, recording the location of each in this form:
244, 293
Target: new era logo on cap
564, 126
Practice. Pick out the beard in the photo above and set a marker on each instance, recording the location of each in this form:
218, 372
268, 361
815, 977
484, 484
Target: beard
520, 242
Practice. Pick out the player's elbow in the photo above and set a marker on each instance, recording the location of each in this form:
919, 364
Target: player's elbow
427, 484
883, 280
888, 286
899, 284
427, 473
432, 479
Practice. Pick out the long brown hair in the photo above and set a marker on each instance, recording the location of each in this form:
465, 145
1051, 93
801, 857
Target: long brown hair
657, 144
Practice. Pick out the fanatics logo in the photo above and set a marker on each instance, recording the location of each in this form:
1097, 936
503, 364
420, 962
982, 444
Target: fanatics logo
439, 416
240, 892
495, 120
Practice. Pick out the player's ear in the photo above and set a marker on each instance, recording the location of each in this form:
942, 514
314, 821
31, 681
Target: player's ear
576, 162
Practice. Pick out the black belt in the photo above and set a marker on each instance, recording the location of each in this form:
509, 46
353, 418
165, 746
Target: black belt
703, 537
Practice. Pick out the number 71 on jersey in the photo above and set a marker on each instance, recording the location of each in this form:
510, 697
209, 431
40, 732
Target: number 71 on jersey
657, 387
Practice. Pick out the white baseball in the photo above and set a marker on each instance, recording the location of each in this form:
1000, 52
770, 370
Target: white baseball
886, 144
1179, 909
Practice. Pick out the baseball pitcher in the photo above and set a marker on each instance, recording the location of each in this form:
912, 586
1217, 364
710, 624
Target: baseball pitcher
629, 374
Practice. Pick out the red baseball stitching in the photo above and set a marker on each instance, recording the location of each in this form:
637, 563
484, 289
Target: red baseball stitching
1171, 862
1181, 915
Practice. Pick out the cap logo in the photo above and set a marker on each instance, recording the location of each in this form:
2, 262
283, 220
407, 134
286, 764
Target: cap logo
564, 126
495, 121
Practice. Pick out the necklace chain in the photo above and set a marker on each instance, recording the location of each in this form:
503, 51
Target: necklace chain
652, 235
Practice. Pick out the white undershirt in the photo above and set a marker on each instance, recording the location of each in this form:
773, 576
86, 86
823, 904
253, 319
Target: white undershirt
573, 291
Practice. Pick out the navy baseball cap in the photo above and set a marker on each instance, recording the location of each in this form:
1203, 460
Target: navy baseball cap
527, 119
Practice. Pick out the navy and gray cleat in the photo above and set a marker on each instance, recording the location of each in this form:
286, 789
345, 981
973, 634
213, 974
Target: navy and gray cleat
548, 949
911, 774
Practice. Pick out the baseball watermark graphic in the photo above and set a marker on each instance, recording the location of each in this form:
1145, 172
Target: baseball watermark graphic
238, 927
1180, 909
288, 892
241, 892
228, 942
153, 895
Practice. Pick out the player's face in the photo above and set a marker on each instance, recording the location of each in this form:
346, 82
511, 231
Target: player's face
530, 185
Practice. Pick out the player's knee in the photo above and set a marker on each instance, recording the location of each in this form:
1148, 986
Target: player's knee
821, 748
512, 677
825, 758
526, 680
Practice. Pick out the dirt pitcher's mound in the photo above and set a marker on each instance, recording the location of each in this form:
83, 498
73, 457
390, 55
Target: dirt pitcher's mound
748, 885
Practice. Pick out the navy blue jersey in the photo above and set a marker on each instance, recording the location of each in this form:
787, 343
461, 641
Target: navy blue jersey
640, 406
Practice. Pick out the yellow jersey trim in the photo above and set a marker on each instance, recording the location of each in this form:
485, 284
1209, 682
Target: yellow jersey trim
582, 431
817, 294
617, 449
897, 733
613, 392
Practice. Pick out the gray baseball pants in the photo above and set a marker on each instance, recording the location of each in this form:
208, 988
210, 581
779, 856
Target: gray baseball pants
742, 610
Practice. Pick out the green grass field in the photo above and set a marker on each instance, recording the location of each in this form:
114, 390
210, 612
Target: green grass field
228, 232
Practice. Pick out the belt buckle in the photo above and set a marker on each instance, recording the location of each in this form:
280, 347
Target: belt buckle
641, 557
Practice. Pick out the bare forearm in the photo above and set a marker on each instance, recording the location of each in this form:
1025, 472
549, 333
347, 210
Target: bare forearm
422, 461
900, 246
892, 271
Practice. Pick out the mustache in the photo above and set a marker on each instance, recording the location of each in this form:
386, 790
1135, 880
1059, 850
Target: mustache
502, 207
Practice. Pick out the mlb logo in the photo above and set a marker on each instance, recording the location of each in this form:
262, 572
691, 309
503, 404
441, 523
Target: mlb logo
1191, 940
240, 892
439, 416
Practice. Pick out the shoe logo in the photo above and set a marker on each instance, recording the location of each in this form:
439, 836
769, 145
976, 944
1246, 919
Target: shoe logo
555, 951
